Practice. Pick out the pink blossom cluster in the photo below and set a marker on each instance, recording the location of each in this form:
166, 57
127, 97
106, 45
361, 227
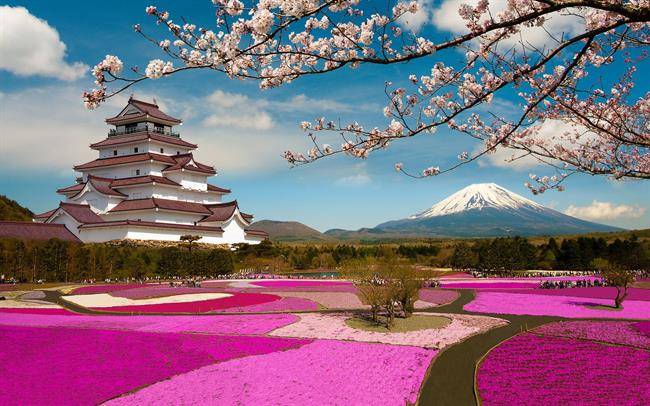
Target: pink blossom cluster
317, 373
553, 370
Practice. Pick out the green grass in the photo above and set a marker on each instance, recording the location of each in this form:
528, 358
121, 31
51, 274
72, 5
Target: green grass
414, 323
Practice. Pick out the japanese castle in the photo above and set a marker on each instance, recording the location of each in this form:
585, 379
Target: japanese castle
146, 185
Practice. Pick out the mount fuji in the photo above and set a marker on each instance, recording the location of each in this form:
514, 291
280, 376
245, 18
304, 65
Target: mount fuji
481, 210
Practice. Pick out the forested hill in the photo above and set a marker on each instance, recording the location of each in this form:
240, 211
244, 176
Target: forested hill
11, 210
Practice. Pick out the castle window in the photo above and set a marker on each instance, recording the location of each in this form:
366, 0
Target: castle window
162, 150
135, 150
137, 172
114, 152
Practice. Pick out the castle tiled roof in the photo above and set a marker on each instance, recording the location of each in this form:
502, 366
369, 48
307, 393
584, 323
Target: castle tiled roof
35, 231
187, 162
150, 224
212, 188
126, 159
259, 233
223, 211
141, 136
165, 204
143, 180
80, 212
45, 215
104, 186
145, 110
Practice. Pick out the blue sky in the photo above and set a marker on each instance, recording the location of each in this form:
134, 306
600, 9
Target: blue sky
44, 130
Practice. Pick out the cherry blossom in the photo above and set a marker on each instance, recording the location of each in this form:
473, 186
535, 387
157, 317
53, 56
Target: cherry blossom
583, 80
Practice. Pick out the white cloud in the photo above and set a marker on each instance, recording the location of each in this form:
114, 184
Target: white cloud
507, 158
38, 135
598, 211
359, 177
30, 46
446, 18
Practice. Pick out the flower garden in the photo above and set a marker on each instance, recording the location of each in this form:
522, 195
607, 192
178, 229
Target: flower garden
292, 341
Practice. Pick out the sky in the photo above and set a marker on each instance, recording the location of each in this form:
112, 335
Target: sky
45, 55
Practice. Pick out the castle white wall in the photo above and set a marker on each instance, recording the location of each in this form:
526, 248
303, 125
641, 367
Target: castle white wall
144, 146
98, 202
142, 233
127, 170
160, 216
170, 193
70, 223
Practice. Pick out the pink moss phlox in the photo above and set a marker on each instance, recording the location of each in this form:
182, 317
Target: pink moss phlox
299, 283
206, 324
438, 296
153, 291
330, 300
285, 304
323, 372
595, 292
490, 285
643, 327
333, 326
562, 306
551, 370
200, 306
37, 310
77, 366
615, 332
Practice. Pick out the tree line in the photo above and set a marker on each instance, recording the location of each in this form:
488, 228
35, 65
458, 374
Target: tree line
580, 254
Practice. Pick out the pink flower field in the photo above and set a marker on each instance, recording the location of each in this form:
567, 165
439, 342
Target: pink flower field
90, 366
208, 324
333, 327
237, 300
323, 372
284, 304
550, 305
560, 371
614, 332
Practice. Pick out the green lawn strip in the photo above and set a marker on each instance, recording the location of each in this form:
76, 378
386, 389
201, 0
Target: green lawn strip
414, 323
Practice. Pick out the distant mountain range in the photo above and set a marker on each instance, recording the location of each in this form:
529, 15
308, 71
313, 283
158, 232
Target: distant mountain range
479, 210
289, 231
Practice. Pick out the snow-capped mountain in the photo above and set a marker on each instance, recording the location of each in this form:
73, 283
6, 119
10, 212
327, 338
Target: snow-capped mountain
487, 209
479, 196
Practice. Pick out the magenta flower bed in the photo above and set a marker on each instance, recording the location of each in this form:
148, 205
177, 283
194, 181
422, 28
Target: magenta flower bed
285, 304
548, 305
207, 324
325, 372
37, 310
75, 367
438, 296
152, 291
593, 292
299, 283
91, 289
643, 327
200, 306
541, 370
615, 332
489, 285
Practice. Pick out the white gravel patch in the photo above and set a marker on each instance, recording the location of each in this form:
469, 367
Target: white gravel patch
106, 300
19, 304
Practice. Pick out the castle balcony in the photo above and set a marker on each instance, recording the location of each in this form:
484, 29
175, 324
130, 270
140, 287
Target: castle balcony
130, 130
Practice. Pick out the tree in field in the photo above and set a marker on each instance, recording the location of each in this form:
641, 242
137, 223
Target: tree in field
620, 279
190, 239
579, 108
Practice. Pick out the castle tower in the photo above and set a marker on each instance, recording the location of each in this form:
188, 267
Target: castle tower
146, 185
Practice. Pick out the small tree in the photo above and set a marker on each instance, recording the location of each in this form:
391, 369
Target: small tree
190, 239
620, 279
